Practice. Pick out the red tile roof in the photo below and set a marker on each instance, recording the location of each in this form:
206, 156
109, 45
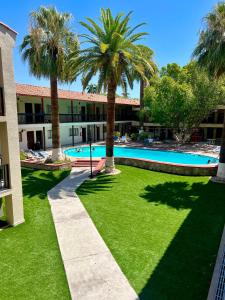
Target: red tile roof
7, 27
40, 91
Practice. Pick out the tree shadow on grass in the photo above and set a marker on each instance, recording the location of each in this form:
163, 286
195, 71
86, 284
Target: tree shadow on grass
185, 270
37, 183
102, 183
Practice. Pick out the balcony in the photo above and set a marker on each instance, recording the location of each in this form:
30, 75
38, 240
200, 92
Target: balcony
4, 178
29, 118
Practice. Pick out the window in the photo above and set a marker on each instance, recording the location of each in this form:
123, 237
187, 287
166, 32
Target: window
49, 134
73, 131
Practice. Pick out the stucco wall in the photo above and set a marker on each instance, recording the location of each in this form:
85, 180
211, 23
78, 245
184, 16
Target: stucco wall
208, 170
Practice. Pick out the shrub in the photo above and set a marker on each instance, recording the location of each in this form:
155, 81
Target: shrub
134, 136
143, 135
22, 155
116, 134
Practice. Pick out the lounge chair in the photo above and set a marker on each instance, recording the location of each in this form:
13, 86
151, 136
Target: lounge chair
35, 154
148, 141
124, 139
43, 154
216, 149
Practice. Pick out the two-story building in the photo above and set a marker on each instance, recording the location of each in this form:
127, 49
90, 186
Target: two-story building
80, 114
211, 128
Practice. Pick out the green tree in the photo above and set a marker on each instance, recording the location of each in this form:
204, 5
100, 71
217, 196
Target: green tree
92, 88
183, 103
46, 49
147, 54
210, 55
172, 70
113, 56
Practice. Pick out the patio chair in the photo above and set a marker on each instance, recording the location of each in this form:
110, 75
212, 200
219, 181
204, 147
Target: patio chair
43, 154
148, 141
35, 154
216, 149
124, 139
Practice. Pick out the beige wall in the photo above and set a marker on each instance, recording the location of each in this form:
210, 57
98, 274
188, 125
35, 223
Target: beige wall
9, 128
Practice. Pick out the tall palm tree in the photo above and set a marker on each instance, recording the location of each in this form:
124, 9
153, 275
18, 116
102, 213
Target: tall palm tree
46, 49
147, 53
210, 54
112, 55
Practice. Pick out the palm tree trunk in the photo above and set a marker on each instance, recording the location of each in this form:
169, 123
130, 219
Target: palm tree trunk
56, 146
142, 87
221, 167
111, 96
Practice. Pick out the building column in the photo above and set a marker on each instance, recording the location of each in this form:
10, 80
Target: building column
214, 133
205, 133
14, 201
72, 135
71, 103
44, 142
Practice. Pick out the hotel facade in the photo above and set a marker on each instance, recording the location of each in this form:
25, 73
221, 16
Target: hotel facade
82, 115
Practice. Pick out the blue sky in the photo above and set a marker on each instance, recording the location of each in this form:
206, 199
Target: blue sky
173, 27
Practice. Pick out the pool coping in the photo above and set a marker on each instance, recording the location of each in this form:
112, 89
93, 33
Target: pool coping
212, 165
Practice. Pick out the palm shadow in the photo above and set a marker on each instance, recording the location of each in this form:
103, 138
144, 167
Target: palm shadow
38, 183
101, 183
185, 270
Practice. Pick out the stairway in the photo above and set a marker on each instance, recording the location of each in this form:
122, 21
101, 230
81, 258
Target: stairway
85, 163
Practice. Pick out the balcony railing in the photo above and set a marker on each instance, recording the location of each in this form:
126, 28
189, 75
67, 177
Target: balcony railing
28, 118
2, 110
4, 177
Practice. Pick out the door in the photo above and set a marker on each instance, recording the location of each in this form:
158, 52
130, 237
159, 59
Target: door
37, 110
39, 140
83, 113
84, 139
30, 140
29, 113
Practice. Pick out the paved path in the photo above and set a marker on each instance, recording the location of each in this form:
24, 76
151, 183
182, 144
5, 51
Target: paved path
91, 270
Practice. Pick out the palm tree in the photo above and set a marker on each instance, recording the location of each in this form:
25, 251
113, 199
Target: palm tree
210, 54
112, 55
46, 49
91, 88
147, 54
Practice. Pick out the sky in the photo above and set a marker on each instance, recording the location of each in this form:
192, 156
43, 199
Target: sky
173, 27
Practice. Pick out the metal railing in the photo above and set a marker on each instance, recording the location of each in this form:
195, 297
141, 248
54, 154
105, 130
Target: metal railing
2, 109
4, 177
40, 118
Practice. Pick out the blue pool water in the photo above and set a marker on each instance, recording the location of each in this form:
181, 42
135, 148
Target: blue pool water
156, 155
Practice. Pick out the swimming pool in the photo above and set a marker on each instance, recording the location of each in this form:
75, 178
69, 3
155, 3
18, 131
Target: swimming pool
153, 155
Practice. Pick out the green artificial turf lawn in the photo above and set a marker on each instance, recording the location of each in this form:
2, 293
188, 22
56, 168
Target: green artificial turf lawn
31, 265
164, 230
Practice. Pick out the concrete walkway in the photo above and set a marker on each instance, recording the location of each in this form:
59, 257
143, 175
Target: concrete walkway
91, 270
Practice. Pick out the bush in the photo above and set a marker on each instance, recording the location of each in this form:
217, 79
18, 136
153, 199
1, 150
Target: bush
22, 155
116, 134
134, 136
143, 135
